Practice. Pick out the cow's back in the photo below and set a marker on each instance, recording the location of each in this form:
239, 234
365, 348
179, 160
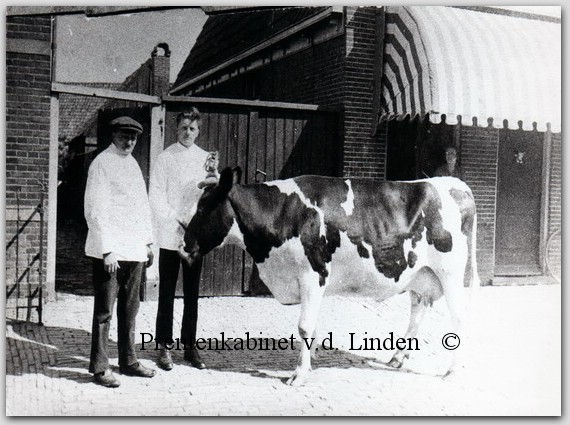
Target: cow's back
380, 234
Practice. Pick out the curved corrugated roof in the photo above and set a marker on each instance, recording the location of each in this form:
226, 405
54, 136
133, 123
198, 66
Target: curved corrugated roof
455, 61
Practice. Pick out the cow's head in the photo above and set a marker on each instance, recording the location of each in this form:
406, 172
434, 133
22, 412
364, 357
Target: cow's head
213, 219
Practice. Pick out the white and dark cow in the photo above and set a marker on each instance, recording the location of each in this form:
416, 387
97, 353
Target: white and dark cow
311, 234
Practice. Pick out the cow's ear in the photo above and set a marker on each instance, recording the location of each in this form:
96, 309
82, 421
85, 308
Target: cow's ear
226, 179
237, 175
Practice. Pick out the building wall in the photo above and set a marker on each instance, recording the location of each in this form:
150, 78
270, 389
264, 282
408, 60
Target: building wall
479, 158
28, 73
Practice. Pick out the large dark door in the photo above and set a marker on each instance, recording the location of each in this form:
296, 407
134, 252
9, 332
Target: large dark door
519, 194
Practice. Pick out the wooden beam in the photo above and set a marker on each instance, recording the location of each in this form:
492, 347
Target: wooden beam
86, 10
106, 93
250, 103
50, 254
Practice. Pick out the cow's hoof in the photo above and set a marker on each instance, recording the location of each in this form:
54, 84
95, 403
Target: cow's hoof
298, 379
395, 363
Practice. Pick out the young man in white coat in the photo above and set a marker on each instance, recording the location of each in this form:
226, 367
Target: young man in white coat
173, 193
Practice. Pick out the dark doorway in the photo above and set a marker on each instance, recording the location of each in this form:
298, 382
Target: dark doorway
519, 190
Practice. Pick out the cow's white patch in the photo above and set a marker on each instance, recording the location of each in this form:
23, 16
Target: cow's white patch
348, 205
352, 274
234, 237
283, 270
289, 187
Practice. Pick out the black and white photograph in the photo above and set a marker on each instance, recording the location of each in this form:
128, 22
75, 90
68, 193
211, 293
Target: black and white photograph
283, 210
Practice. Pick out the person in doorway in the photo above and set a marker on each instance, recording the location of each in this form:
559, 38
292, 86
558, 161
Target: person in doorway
174, 192
450, 168
119, 241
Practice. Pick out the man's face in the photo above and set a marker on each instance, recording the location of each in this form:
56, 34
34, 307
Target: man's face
187, 132
125, 141
451, 156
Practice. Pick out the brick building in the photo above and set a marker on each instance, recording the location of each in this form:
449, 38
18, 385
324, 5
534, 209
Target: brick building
410, 81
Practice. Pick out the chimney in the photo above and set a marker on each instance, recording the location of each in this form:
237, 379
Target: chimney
161, 68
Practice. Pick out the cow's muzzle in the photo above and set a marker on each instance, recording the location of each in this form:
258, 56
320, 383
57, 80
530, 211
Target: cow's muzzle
189, 257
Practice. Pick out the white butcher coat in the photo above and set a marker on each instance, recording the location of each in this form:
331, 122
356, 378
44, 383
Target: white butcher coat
173, 191
117, 209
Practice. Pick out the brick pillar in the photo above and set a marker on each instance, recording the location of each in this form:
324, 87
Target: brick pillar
28, 102
479, 159
364, 154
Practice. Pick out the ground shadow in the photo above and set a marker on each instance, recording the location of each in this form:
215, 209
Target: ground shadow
53, 351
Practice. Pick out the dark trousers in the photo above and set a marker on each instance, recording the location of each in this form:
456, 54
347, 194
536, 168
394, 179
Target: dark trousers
123, 286
168, 268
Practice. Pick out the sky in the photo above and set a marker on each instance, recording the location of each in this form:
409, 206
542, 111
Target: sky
110, 48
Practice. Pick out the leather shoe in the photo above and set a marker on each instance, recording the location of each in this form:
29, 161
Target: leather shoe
137, 369
193, 357
165, 360
106, 379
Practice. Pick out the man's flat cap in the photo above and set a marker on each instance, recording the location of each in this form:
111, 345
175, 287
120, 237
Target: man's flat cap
126, 123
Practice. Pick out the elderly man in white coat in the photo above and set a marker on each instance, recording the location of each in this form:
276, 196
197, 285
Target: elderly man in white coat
174, 192
119, 241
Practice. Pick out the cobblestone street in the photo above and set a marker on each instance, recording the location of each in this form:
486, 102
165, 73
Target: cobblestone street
513, 361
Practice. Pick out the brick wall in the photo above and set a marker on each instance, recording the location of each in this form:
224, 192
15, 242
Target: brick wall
364, 153
28, 71
479, 158
314, 75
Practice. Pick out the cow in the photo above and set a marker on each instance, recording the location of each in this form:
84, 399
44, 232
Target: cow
313, 234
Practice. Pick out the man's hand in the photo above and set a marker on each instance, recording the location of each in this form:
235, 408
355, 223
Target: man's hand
150, 256
110, 262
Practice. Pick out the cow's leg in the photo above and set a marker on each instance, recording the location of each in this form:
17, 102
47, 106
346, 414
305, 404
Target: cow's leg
311, 297
418, 309
455, 299
314, 346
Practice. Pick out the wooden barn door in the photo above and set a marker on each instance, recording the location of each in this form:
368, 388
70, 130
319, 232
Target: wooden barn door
519, 194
